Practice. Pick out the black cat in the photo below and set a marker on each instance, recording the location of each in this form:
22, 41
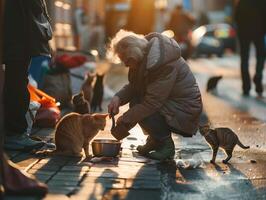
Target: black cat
212, 82
97, 97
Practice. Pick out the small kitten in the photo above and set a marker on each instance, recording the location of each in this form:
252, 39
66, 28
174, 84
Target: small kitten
97, 94
81, 105
221, 137
212, 82
75, 131
87, 87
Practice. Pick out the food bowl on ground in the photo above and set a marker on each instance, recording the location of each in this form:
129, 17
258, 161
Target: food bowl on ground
106, 147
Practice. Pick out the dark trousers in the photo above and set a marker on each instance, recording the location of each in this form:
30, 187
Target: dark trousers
156, 127
16, 96
245, 43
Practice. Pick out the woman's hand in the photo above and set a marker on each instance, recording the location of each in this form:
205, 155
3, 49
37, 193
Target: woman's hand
113, 106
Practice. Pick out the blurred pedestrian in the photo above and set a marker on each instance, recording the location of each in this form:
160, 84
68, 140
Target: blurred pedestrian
180, 23
162, 91
97, 35
251, 21
79, 21
27, 31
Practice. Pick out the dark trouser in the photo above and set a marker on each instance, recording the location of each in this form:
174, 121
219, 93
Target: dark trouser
156, 127
16, 96
260, 57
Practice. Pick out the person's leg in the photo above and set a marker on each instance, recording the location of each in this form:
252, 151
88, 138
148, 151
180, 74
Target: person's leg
156, 127
244, 63
160, 139
16, 97
16, 103
260, 58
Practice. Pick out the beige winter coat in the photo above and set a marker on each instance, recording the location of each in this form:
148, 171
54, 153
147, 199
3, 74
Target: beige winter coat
164, 84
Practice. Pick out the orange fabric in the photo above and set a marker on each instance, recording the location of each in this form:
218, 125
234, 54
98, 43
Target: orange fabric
41, 97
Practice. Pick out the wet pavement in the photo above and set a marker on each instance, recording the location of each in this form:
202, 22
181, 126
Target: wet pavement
190, 175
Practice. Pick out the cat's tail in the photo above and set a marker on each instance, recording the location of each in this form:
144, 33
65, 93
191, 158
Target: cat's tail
241, 145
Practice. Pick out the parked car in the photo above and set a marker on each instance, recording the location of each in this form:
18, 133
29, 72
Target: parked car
213, 39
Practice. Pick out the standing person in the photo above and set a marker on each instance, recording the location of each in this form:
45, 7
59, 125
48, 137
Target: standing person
12, 180
26, 34
181, 23
162, 91
79, 21
251, 29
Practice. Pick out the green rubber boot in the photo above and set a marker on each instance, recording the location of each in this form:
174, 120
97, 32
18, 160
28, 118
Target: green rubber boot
150, 145
165, 152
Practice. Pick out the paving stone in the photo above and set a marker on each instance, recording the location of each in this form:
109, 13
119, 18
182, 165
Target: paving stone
47, 167
68, 178
70, 173
142, 184
42, 178
40, 172
57, 160
54, 160
104, 182
92, 192
123, 175
132, 194
75, 168
62, 183
62, 190
81, 163
24, 160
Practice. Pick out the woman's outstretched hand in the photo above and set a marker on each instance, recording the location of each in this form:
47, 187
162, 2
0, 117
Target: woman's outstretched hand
113, 106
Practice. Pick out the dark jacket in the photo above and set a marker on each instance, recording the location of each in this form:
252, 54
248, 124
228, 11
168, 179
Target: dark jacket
21, 38
250, 17
164, 83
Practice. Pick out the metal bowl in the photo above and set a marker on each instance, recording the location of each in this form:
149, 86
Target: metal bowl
105, 147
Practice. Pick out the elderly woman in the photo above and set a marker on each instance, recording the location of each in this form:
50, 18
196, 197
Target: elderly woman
162, 91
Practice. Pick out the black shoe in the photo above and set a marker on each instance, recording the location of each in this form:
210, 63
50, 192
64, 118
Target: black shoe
245, 94
22, 143
258, 84
259, 96
150, 145
165, 152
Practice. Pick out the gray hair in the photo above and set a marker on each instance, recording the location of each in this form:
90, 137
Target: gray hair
130, 44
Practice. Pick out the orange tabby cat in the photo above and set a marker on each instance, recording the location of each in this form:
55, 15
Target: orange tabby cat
75, 131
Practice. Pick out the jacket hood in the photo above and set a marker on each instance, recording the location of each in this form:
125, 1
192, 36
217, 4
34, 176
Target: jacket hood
161, 50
